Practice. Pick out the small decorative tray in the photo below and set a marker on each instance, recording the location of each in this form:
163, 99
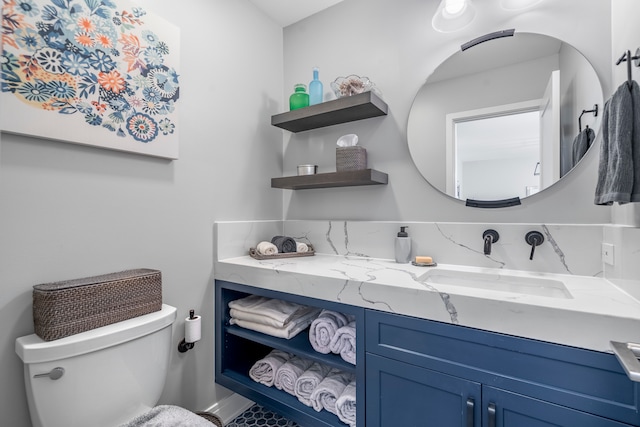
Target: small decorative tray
253, 253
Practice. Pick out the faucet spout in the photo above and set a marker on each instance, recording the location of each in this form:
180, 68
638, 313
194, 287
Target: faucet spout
489, 237
534, 238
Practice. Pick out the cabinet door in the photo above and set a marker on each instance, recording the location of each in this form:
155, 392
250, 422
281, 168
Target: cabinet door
506, 409
400, 394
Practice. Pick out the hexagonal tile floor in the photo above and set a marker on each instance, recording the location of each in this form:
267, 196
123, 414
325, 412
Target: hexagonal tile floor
258, 416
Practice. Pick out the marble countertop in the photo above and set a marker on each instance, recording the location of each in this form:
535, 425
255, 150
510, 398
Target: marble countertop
589, 314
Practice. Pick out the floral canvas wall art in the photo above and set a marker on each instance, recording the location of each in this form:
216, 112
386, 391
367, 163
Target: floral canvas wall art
95, 72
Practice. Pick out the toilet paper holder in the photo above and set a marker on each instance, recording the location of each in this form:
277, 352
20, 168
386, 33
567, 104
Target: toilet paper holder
192, 332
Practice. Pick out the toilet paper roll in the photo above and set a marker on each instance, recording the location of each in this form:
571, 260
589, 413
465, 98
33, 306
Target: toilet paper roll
192, 329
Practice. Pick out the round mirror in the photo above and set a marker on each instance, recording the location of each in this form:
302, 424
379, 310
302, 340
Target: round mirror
505, 119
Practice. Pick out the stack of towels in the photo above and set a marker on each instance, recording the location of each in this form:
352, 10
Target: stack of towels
281, 245
314, 384
336, 333
271, 316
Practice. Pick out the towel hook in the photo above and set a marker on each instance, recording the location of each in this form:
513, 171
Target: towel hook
628, 58
595, 114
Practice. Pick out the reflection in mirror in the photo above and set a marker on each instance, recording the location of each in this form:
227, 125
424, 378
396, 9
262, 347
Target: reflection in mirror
499, 120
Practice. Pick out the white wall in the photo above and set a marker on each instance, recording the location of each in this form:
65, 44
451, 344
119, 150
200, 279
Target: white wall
393, 44
69, 211
625, 36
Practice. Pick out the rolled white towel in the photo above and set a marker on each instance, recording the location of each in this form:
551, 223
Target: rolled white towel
324, 328
346, 405
302, 247
264, 370
289, 373
344, 342
309, 380
266, 248
329, 389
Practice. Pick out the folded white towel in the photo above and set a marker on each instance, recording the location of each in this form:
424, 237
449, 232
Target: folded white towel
264, 370
309, 380
346, 405
324, 328
267, 248
293, 328
329, 389
269, 311
288, 373
168, 415
344, 342
302, 247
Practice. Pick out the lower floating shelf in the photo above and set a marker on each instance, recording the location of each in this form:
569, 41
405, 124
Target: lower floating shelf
332, 179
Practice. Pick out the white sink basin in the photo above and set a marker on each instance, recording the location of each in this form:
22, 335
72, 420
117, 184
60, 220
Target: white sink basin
538, 286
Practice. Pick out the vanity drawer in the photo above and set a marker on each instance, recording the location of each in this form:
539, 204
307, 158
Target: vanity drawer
586, 380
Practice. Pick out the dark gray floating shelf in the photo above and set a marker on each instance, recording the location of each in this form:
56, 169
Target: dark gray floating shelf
341, 110
332, 179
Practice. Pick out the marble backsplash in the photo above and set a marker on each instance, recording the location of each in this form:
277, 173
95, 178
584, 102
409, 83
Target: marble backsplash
567, 249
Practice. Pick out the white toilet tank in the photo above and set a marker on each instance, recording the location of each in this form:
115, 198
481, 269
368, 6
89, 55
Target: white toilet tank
111, 374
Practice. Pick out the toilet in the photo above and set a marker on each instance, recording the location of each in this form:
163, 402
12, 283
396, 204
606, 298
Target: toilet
100, 378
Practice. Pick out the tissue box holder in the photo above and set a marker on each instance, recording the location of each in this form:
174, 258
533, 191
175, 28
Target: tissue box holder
66, 308
351, 158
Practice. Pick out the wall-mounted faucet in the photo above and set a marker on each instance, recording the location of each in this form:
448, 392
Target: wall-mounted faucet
534, 238
489, 237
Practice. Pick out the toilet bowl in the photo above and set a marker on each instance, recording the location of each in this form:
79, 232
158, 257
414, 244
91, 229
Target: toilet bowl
99, 378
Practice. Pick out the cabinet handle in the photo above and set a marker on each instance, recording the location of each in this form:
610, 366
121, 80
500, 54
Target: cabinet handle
470, 407
627, 354
491, 409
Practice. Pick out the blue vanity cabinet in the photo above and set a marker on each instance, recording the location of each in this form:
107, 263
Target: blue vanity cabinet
428, 373
237, 349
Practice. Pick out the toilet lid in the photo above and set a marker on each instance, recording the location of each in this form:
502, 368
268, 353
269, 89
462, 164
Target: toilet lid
33, 349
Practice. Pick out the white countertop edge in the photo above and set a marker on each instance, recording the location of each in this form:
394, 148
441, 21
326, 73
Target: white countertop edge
597, 313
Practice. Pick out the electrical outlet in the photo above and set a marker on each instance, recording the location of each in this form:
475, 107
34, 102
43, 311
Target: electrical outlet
607, 253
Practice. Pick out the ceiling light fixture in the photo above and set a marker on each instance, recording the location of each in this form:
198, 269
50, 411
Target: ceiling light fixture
453, 15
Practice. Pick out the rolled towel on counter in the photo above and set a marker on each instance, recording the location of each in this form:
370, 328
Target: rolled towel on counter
344, 342
324, 328
264, 370
329, 389
309, 380
266, 248
289, 373
302, 247
346, 405
284, 244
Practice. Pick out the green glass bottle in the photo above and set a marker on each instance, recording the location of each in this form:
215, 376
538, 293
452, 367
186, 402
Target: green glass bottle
299, 98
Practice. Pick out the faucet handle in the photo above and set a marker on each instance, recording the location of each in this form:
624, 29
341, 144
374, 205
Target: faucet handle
534, 238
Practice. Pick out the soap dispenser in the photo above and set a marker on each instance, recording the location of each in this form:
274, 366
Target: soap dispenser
403, 246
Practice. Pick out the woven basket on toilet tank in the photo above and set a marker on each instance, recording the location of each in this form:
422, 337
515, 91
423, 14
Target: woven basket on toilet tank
351, 158
66, 308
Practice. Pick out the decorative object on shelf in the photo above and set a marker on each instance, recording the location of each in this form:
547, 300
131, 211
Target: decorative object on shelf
105, 74
316, 90
299, 98
350, 156
353, 85
254, 253
307, 169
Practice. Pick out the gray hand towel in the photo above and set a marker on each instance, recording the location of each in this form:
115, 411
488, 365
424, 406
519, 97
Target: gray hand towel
285, 244
619, 167
581, 145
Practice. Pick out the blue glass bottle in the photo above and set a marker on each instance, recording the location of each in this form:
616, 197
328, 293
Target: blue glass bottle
315, 89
